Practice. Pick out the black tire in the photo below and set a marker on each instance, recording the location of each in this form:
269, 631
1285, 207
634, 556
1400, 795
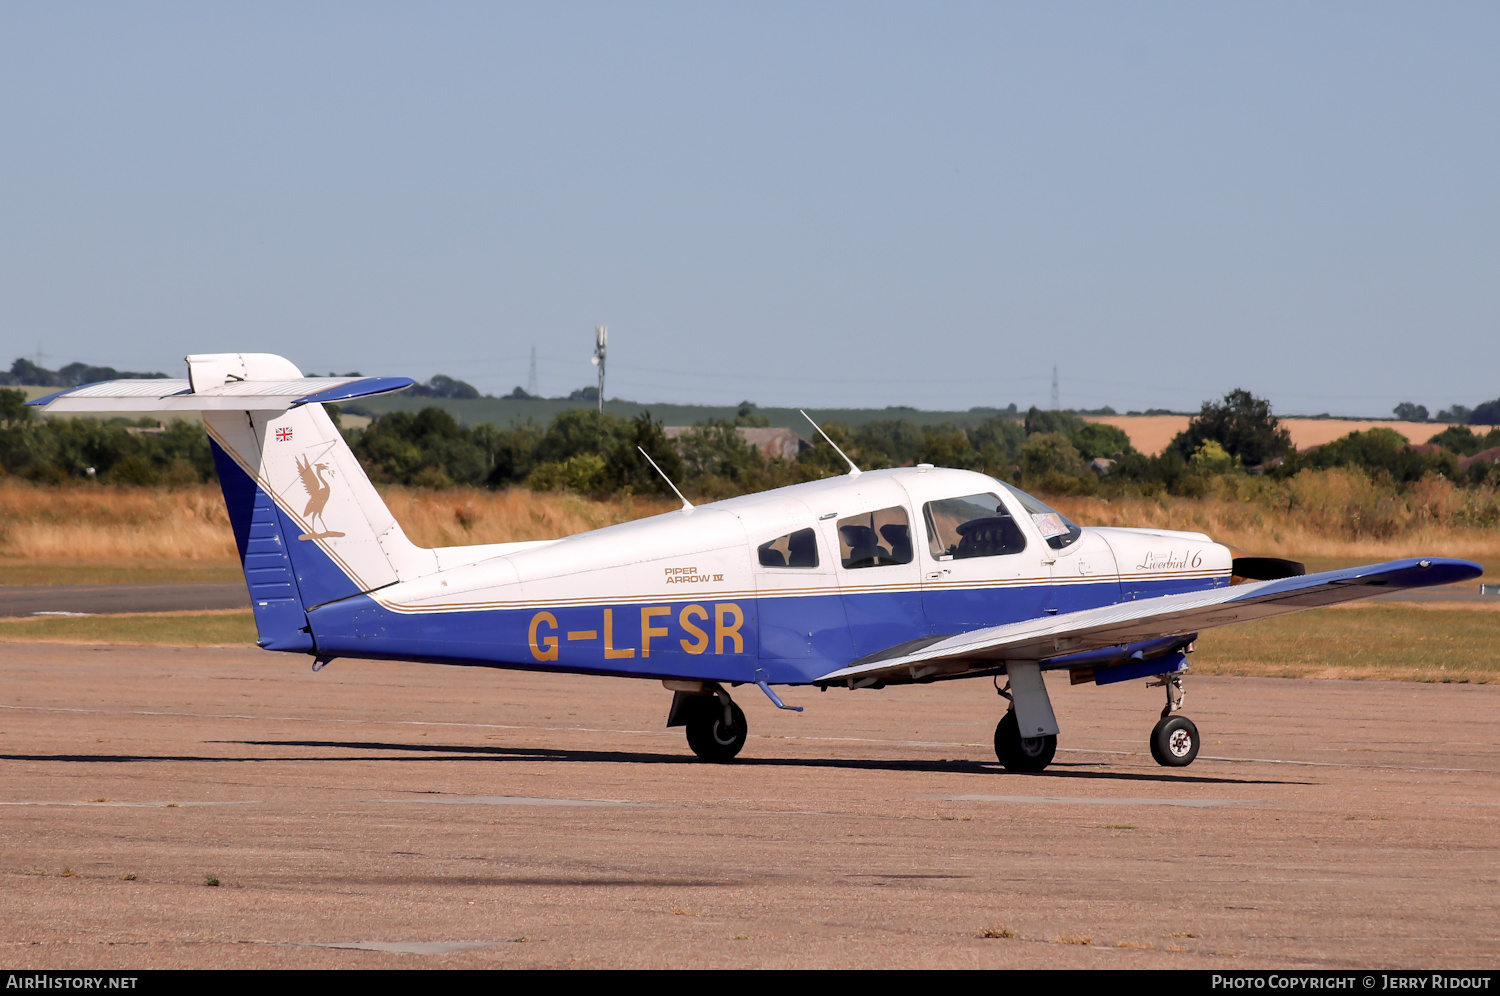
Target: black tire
1019, 753
709, 738
1174, 742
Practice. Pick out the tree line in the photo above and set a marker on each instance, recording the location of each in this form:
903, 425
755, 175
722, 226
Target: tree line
584, 451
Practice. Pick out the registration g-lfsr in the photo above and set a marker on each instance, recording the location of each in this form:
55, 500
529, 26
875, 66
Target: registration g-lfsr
858, 582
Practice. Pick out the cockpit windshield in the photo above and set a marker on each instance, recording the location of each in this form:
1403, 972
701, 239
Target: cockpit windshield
1058, 530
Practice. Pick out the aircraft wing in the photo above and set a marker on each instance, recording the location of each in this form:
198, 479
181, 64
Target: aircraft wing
1149, 619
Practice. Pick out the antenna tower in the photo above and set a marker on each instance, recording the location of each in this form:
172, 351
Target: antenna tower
531, 377
1056, 406
601, 340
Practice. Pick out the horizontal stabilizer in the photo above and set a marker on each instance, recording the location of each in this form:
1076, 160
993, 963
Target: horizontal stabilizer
244, 395
1152, 619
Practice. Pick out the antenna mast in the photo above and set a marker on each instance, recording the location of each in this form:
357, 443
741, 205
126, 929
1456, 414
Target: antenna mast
1055, 405
687, 506
853, 470
531, 377
601, 340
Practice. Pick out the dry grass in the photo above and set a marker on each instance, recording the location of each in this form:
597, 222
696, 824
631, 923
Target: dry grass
1333, 515
471, 515
90, 533
97, 523
81, 525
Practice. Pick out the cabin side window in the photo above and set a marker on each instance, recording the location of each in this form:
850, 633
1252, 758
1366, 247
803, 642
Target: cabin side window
1057, 529
798, 549
875, 539
973, 526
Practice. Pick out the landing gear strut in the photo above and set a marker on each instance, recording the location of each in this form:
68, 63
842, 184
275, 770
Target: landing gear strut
1017, 752
716, 727
1174, 740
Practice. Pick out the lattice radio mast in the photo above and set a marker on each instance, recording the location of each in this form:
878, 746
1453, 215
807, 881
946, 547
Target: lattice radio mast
1056, 405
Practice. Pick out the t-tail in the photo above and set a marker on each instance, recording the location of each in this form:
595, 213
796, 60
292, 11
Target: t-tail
309, 525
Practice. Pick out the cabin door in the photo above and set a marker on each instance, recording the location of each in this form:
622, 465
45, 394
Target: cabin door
982, 565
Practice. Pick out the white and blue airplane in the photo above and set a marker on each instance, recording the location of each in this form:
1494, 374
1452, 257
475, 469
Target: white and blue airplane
910, 575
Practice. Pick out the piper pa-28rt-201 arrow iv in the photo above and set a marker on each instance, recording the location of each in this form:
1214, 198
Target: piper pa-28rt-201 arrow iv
887, 577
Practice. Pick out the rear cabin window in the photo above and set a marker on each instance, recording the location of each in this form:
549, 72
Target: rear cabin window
973, 526
799, 549
875, 539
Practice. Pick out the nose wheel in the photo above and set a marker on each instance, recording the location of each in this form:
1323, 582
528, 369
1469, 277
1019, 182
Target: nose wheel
1174, 742
1174, 739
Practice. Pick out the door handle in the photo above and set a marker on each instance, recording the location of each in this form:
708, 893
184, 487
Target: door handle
936, 574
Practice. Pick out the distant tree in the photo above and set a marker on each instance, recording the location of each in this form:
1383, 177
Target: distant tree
1038, 420
443, 386
1486, 414
589, 393
25, 372
998, 442
1408, 412
1458, 439
714, 457
1242, 424
1095, 439
1457, 413
1211, 458
1050, 453
747, 416
520, 394
946, 446
13, 408
1379, 450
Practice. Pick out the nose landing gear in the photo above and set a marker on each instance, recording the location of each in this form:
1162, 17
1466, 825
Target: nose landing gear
1174, 739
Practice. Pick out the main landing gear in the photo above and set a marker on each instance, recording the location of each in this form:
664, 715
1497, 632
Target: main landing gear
1026, 738
716, 727
1174, 740
1020, 753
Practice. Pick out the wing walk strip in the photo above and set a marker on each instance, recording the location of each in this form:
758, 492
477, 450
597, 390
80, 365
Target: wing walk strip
670, 735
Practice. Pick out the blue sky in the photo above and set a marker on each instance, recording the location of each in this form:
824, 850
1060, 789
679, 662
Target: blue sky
814, 203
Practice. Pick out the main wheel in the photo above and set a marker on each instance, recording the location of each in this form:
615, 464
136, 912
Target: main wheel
1174, 742
1020, 753
710, 738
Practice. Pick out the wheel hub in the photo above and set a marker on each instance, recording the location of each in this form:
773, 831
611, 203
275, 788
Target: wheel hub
1180, 742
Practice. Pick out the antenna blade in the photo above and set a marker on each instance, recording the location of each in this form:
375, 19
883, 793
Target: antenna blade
687, 506
853, 470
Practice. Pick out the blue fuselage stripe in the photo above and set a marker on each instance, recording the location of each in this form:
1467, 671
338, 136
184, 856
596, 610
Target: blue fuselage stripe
793, 639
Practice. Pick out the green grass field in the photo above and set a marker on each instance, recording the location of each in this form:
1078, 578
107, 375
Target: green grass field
1431, 642
26, 571
1368, 642
229, 628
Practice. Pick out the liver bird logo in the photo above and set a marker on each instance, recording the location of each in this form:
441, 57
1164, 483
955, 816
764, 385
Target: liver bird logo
318, 491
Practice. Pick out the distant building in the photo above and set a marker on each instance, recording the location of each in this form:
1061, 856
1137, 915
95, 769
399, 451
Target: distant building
1491, 455
774, 444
